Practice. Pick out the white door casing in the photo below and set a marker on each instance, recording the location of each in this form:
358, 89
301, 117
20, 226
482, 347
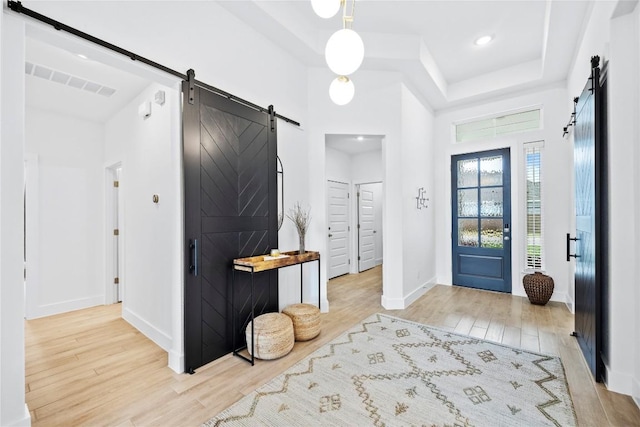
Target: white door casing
338, 228
114, 254
366, 230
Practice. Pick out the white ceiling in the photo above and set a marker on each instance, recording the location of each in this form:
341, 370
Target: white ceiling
50, 95
354, 144
429, 41
432, 42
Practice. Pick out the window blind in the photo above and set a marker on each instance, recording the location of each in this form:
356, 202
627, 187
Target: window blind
534, 209
497, 126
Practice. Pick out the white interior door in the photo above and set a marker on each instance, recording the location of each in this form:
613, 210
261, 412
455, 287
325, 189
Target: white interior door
366, 230
338, 233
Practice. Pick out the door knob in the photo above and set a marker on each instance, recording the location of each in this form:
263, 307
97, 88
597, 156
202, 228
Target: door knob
330, 235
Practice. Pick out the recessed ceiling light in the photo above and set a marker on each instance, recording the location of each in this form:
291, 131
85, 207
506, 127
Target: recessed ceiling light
79, 55
360, 138
483, 40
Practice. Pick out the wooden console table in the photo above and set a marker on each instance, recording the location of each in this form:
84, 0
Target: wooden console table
257, 264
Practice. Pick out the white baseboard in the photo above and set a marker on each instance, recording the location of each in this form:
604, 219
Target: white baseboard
570, 303
402, 303
176, 361
66, 306
636, 392
392, 303
324, 306
163, 340
618, 381
24, 421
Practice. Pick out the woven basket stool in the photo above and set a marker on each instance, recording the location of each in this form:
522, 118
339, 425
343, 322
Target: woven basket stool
273, 336
306, 320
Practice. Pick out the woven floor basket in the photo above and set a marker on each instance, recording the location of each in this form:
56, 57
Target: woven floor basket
306, 320
273, 334
539, 287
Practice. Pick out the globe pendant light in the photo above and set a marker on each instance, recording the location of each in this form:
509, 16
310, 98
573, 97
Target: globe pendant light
325, 8
341, 90
344, 52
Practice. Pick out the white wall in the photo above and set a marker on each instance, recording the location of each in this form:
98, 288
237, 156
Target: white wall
13, 410
556, 169
292, 150
338, 166
65, 241
418, 170
151, 164
623, 251
612, 34
367, 167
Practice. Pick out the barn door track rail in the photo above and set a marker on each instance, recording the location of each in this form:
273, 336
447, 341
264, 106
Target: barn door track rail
17, 6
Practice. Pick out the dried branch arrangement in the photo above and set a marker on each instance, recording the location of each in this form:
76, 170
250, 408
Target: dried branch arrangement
301, 218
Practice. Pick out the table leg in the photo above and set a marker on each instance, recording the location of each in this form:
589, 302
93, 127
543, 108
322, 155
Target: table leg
253, 348
233, 311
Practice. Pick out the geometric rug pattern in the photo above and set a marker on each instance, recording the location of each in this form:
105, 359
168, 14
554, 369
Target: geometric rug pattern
394, 372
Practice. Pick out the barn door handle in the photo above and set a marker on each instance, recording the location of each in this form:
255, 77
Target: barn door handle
569, 254
193, 256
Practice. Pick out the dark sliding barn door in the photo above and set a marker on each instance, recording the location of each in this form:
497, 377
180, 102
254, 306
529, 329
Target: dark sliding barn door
591, 200
230, 211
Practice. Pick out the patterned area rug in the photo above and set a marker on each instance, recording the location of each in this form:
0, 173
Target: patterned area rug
390, 371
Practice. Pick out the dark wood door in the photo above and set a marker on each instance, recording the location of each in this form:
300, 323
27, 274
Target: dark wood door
481, 220
231, 210
590, 200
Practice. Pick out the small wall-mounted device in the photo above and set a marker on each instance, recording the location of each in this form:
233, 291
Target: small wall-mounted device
155, 198
159, 97
144, 110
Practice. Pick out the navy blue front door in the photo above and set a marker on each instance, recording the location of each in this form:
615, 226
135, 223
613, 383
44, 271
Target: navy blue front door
481, 220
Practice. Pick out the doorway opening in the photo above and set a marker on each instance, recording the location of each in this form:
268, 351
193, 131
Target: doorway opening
354, 173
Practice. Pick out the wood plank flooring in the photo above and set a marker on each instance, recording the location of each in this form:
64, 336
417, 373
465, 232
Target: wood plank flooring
91, 368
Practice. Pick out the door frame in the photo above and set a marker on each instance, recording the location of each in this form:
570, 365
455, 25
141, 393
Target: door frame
507, 195
110, 294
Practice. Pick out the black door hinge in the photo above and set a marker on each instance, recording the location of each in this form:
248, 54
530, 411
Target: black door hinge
191, 76
272, 118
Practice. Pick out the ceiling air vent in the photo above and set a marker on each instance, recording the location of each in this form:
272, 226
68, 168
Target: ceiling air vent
493, 127
47, 73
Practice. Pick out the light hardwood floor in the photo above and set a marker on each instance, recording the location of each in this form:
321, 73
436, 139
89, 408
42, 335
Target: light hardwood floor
90, 367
